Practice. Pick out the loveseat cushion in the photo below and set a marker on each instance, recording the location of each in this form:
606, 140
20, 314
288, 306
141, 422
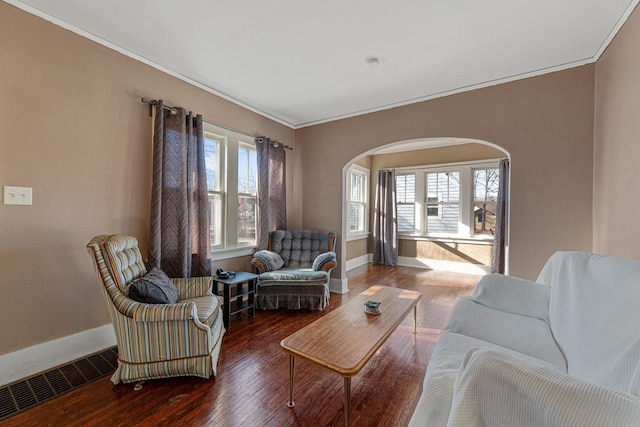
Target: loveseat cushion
523, 334
299, 248
286, 276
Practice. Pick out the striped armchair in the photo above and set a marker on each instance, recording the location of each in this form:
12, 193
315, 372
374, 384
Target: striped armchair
157, 340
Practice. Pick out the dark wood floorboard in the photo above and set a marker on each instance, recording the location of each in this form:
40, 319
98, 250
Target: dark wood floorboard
251, 387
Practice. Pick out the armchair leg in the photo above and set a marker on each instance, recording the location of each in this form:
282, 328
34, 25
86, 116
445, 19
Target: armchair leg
138, 385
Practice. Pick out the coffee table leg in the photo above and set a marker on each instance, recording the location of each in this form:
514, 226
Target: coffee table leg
292, 359
347, 400
415, 319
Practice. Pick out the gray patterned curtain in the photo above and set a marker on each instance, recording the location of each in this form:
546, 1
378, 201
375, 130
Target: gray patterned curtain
501, 237
385, 222
179, 241
272, 195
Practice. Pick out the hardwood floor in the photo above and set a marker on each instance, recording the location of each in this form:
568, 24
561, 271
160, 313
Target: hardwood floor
251, 388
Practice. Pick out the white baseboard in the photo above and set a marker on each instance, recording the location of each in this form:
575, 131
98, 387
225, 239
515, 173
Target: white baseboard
455, 267
32, 360
357, 262
339, 286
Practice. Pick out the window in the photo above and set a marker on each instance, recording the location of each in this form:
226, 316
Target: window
358, 187
485, 197
214, 147
453, 201
405, 202
443, 202
247, 194
232, 171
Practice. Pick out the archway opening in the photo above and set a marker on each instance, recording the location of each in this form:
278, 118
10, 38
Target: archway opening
446, 195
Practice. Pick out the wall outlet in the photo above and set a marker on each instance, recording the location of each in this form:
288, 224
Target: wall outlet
18, 195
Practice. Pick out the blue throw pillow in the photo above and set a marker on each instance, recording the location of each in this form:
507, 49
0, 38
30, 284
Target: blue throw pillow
155, 287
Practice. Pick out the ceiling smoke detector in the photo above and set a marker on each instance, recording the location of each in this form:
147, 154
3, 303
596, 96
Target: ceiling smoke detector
372, 61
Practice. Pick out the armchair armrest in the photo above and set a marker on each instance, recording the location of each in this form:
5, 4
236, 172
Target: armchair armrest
324, 262
165, 312
267, 261
494, 388
193, 287
513, 295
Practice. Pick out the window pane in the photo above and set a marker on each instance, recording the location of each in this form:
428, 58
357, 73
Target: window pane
356, 217
247, 171
443, 202
357, 187
246, 220
215, 219
447, 220
253, 172
406, 197
406, 188
212, 162
443, 186
485, 196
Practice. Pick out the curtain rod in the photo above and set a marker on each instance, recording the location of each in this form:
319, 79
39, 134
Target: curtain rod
174, 111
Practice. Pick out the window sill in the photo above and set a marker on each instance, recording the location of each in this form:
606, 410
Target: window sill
220, 254
451, 239
359, 236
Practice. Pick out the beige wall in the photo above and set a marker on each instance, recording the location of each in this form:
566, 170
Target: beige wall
544, 123
616, 200
72, 127
356, 248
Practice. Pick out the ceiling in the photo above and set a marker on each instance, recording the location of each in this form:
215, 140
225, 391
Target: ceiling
305, 62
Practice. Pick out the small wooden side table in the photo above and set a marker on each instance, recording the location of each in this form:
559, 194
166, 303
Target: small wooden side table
238, 281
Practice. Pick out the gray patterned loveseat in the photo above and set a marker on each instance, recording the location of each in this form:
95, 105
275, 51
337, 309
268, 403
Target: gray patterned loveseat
295, 270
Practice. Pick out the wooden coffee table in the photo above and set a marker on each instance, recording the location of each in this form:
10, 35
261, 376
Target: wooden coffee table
344, 340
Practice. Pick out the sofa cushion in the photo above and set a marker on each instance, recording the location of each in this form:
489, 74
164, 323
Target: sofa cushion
523, 334
155, 287
594, 315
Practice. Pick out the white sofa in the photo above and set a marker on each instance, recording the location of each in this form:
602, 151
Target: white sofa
562, 351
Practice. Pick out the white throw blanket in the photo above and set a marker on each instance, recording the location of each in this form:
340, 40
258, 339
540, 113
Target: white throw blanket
498, 389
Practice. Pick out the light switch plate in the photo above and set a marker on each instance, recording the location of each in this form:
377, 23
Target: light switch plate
18, 195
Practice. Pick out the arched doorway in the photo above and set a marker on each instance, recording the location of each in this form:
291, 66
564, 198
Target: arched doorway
437, 232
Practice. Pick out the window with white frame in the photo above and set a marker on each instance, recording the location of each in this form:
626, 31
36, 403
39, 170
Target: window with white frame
443, 202
232, 167
358, 188
450, 201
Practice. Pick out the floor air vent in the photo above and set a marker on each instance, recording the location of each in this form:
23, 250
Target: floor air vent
25, 394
